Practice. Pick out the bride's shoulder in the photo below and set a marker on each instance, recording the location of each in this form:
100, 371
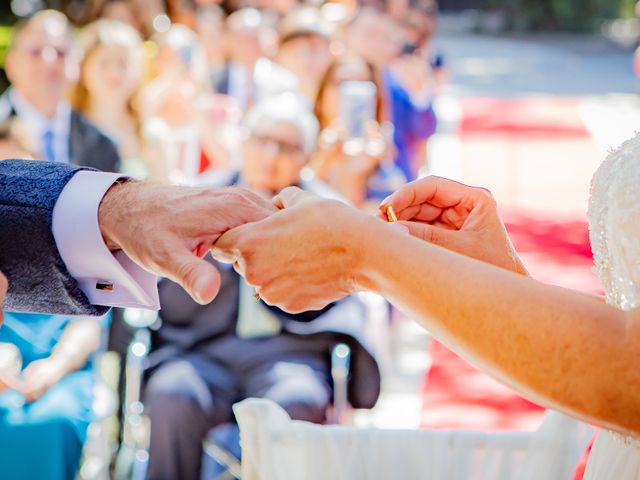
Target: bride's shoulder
614, 224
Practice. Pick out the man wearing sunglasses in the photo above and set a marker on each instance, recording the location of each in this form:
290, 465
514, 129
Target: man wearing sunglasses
40, 65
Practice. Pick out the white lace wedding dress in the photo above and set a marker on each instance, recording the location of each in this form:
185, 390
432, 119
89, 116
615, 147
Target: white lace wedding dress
614, 218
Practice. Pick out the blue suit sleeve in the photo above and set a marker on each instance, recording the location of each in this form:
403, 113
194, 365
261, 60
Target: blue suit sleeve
38, 279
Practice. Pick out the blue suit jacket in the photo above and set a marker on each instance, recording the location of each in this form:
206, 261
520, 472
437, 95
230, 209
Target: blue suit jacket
29, 258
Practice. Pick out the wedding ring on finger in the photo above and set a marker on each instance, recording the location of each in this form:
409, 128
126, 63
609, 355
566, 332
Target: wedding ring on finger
391, 214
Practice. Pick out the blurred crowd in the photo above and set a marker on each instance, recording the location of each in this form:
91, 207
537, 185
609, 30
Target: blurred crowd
334, 97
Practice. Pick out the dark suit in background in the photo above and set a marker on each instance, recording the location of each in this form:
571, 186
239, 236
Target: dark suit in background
200, 367
88, 146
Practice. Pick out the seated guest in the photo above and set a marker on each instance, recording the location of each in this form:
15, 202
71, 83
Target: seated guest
45, 406
124, 11
105, 93
185, 125
37, 63
205, 358
250, 76
305, 41
360, 169
408, 82
419, 24
210, 27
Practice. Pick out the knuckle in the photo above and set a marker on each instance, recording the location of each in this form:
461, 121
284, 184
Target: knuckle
251, 277
254, 277
429, 235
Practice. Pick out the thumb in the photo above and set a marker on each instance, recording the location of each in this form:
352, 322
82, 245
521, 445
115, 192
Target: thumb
292, 196
198, 277
432, 234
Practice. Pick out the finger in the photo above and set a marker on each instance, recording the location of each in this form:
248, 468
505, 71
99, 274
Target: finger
432, 234
437, 191
31, 387
35, 392
198, 277
8, 380
292, 196
423, 213
226, 247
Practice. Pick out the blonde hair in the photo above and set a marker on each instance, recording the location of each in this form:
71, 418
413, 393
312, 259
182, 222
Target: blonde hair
182, 40
107, 33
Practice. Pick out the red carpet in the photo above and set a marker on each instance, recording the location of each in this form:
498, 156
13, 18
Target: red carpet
523, 117
455, 394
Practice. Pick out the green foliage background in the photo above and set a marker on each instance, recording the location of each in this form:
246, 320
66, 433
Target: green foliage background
560, 15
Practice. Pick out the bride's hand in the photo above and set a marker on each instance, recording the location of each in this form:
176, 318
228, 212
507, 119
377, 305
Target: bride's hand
306, 255
455, 216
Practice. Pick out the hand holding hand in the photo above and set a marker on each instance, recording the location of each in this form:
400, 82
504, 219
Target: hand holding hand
168, 229
457, 217
300, 258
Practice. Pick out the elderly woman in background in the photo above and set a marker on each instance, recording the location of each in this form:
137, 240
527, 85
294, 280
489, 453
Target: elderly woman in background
361, 169
110, 76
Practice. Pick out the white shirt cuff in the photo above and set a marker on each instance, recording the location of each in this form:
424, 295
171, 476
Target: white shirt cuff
106, 279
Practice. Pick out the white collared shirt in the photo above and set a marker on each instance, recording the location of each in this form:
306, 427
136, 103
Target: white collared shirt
77, 235
38, 124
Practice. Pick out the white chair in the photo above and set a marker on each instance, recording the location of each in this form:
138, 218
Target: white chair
277, 448
338, 412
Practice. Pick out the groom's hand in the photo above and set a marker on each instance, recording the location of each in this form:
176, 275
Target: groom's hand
301, 257
457, 217
168, 229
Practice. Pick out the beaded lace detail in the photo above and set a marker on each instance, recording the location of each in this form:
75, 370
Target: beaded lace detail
614, 228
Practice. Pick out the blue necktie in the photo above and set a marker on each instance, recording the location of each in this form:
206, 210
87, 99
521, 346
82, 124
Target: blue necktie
49, 153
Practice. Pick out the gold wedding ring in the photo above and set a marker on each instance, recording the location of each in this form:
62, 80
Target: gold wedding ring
391, 214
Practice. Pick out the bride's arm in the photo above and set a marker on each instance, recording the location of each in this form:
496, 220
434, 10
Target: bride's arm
561, 348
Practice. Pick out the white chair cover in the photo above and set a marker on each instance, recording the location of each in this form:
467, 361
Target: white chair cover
274, 447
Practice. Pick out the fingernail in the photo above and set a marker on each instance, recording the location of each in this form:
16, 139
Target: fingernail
199, 288
385, 201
